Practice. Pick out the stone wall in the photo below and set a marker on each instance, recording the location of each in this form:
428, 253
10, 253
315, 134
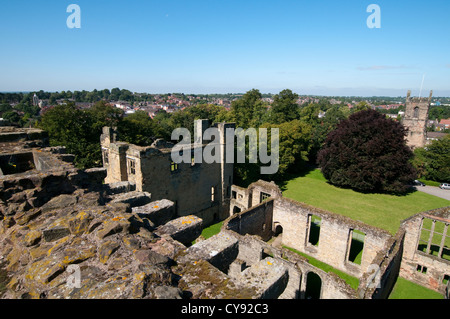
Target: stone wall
254, 251
335, 235
254, 221
380, 255
424, 268
379, 280
415, 119
196, 188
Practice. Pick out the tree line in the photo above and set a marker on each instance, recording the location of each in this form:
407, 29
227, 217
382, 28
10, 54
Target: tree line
370, 148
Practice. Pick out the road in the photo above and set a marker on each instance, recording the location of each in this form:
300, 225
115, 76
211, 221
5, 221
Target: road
436, 191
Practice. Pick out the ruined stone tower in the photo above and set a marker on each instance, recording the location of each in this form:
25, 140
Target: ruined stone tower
200, 188
415, 120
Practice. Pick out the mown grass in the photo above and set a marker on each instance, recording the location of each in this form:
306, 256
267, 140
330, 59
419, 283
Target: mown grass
381, 210
212, 230
405, 289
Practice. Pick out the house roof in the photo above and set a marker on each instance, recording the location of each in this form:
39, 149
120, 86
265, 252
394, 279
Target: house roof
436, 135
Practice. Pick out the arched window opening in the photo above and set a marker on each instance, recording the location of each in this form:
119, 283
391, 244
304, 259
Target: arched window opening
313, 286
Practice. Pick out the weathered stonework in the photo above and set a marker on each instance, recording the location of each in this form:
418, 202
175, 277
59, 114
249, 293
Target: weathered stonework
415, 119
55, 218
383, 258
424, 267
201, 189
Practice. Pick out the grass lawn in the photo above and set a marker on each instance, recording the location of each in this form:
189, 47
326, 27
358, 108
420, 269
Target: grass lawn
212, 230
380, 210
405, 289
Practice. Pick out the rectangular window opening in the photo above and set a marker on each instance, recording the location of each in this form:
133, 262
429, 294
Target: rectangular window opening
434, 239
422, 269
132, 167
105, 157
213, 194
356, 247
264, 197
314, 230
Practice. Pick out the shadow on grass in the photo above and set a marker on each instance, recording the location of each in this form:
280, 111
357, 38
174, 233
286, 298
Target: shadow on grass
302, 171
245, 174
408, 191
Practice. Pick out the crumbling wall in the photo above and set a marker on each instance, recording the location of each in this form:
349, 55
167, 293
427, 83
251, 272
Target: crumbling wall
254, 251
334, 238
240, 199
254, 221
380, 278
424, 268
202, 188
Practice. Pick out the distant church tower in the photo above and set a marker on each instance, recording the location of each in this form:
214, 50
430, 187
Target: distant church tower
35, 100
415, 120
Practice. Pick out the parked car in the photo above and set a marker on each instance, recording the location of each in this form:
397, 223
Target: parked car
418, 183
444, 186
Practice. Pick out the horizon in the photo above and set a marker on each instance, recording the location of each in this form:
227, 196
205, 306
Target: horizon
234, 93
315, 48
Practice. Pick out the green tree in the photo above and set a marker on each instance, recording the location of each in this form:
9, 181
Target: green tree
310, 113
322, 127
104, 114
361, 106
433, 161
294, 144
11, 117
137, 128
5, 107
284, 107
79, 131
248, 111
294, 147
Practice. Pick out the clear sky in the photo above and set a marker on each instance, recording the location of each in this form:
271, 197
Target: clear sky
225, 46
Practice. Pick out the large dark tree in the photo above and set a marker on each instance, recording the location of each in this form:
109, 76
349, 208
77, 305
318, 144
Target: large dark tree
368, 152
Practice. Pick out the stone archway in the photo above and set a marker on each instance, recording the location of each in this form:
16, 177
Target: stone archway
277, 229
313, 286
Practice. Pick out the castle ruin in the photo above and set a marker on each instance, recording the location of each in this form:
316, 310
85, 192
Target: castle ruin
132, 230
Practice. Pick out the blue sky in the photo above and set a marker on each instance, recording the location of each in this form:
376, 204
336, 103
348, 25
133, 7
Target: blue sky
220, 46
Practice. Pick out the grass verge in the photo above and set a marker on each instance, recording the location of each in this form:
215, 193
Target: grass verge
405, 289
